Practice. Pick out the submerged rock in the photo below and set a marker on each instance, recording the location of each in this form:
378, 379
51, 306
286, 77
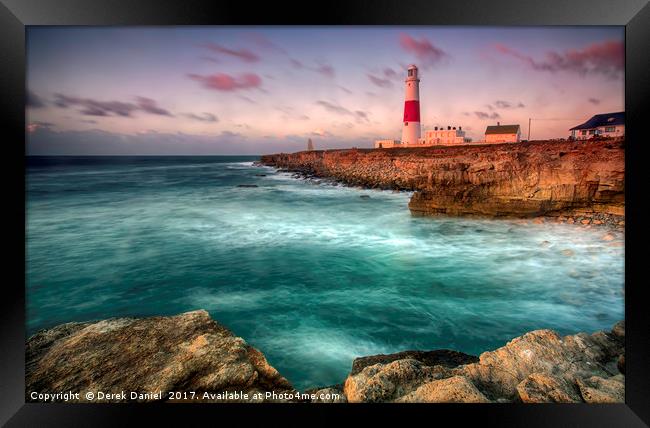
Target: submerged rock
187, 352
247, 185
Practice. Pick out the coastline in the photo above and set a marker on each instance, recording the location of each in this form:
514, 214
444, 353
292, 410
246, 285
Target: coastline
191, 352
564, 181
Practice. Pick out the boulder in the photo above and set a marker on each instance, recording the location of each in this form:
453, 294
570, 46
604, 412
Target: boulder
187, 352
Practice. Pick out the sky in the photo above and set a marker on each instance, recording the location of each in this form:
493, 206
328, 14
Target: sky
254, 90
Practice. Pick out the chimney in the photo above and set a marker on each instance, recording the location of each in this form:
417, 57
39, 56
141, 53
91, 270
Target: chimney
454, 128
498, 123
460, 128
448, 128
436, 128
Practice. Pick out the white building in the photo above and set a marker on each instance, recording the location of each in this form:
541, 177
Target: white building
387, 144
445, 137
503, 133
601, 125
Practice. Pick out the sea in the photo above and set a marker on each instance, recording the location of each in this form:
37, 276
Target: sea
310, 272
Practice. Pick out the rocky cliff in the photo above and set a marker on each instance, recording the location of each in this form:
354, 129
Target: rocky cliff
191, 352
542, 178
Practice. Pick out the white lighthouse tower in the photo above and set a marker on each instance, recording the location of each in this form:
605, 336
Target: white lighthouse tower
411, 128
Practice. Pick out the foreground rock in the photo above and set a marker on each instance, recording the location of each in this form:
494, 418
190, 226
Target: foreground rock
187, 352
191, 352
582, 182
538, 367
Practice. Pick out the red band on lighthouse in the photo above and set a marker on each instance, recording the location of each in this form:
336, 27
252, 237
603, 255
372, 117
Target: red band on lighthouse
412, 111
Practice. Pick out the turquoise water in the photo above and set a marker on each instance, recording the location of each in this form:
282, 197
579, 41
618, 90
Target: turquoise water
311, 274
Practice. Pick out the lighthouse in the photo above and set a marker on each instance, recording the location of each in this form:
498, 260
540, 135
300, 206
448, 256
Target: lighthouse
411, 128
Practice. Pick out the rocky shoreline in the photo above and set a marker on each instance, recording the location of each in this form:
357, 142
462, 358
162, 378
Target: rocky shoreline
163, 358
564, 181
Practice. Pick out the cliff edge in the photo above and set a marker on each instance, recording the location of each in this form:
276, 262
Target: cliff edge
540, 178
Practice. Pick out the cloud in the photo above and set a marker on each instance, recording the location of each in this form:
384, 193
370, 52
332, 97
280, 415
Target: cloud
507, 104
263, 42
386, 78
390, 73
226, 82
92, 107
381, 82
34, 101
594, 101
202, 117
150, 106
321, 68
606, 58
484, 115
295, 63
344, 89
335, 108
321, 133
423, 50
325, 69
36, 125
242, 53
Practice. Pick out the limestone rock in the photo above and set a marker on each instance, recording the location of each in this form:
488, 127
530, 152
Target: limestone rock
538, 367
499, 372
600, 390
187, 352
386, 382
542, 388
442, 357
455, 389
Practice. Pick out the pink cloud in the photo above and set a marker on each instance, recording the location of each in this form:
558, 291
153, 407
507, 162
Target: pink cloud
226, 82
606, 58
423, 49
243, 54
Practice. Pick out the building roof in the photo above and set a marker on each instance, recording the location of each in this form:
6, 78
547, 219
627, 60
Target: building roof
605, 119
502, 129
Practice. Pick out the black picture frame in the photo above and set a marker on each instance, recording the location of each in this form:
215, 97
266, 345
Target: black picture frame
15, 15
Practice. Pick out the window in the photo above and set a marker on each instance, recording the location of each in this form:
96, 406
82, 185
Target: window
410, 73
583, 132
610, 129
592, 131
